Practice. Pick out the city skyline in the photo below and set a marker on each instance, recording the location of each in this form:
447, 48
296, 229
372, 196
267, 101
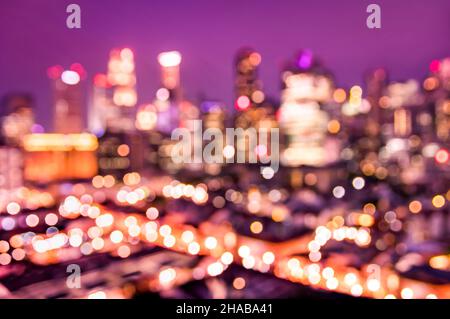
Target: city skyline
295, 151
209, 47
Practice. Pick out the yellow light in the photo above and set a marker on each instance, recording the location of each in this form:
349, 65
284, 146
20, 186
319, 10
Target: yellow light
13, 208
165, 230
129, 221
366, 220
109, 181
356, 290
350, 279
123, 251
255, 58
104, 220
169, 241
16, 241
279, 214
97, 181
18, 254
169, 59
4, 246
166, 276
256, 227
369, 208
258, 96
98, 243
293, 264
152, 213
339, 95
75, 240
244, 251
327, 273
227, 258
332, 283
334, 126
373, 285
268, 257
415, 207
193, 248
210, 242
97, 295
187, 236
215, 269
248, 262
407, 293
123, 150
116, 236
362, 237
438, 201
239, 283
356, 91
60, 142
32, 220
440, 262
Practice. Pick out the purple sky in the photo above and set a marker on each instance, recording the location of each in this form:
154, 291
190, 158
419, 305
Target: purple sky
33, 36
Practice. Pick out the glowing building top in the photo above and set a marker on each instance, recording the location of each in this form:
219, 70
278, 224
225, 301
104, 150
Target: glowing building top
301, 119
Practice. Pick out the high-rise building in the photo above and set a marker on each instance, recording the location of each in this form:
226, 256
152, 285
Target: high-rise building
11, 174
302, 121
438, 87
101, 110
169, 97
122, 78
18, 118
119, 153
57, 157
376, 82
247, 85
68, 99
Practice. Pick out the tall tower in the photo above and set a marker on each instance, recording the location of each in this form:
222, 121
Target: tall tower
168, 97
19, 118
122, 78
68, 99
101, 108
170, 73
376, 83
247, 86
302, 121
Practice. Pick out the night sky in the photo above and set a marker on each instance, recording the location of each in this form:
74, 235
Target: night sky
34, 36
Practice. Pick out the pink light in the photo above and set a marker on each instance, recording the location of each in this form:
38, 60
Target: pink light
435, 66
442, 156
54, 72
242, 102
77, 67
100, 80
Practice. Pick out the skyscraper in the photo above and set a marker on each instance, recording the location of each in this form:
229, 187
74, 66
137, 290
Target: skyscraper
101, 108
302, 121
18, 117
68, 99
247, 85
168, 97
122, 78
